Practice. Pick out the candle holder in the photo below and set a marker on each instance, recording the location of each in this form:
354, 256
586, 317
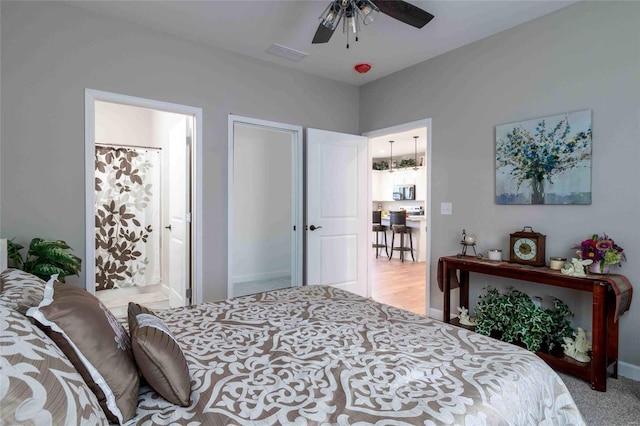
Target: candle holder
468, 240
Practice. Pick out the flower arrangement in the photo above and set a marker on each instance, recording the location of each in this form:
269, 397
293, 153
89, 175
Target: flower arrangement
601, 249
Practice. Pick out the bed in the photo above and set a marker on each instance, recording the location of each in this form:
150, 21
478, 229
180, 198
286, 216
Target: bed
308, 355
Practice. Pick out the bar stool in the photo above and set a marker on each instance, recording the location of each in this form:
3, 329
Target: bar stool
378, 227
398, 225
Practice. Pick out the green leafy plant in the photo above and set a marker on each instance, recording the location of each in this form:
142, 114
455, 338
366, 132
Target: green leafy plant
382, 165
515, 318
44, 258
407, 162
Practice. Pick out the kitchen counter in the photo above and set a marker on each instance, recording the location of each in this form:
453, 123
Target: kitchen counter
412, 221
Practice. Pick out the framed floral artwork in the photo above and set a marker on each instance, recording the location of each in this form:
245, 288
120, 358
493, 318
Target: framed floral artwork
545, 160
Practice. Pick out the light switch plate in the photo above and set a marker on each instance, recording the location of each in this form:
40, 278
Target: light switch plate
446, 208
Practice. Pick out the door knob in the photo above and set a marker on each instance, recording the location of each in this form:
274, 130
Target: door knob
313, 227
168, 227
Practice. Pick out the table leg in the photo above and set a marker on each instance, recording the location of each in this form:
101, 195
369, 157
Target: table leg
464, 290
599, 341
446, 290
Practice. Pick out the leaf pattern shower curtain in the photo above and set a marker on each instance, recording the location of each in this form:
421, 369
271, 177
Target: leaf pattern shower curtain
127, 216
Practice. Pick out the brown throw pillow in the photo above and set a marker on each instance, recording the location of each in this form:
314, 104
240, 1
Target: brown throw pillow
159, 356
95, 343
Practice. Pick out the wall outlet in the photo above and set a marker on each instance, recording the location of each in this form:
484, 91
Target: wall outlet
446, 208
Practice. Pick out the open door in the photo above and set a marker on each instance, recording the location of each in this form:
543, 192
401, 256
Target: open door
179, 214
336, 217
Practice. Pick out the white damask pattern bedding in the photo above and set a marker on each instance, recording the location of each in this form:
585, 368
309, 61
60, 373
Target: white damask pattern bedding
321, 356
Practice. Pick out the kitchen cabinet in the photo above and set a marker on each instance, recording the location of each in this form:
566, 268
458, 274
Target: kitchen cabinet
382, 182
382, 185
421, 184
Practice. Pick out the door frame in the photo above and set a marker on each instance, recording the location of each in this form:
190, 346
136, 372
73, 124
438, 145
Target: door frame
90, 97
297, 196
396, 129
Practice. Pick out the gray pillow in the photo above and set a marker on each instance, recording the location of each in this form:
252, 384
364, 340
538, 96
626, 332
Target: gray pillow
159, 356
95, 343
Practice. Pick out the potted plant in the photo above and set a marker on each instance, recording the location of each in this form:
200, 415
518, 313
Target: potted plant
514, 318
44, 258
603, 251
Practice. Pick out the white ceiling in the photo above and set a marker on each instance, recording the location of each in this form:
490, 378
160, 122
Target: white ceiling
251, 27
403, 144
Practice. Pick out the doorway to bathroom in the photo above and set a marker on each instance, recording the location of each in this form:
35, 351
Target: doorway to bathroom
141, 238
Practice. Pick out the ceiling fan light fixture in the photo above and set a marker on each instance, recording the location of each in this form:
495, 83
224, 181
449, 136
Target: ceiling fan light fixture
351, 25
368, 10
331, 16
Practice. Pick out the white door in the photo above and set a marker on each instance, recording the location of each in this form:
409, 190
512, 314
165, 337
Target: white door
179, 216
337, 223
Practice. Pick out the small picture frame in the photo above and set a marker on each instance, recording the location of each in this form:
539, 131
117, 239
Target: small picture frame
421, 163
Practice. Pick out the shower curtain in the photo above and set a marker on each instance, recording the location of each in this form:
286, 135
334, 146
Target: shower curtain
127, 216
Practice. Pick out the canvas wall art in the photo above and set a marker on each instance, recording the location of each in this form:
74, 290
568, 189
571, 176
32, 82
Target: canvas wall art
545, 160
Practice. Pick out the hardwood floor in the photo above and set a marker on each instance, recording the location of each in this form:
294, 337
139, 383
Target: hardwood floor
395, 283
400, 284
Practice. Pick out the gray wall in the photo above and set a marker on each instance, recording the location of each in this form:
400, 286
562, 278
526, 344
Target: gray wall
52, 52
586, 56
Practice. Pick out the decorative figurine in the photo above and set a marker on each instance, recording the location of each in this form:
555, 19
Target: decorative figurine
464, 317
576, 268
578, 347
468, 240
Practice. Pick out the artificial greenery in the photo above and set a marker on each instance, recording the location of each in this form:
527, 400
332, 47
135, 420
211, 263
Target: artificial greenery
514, 318
382, 165
407, 162
403, 164
44, 258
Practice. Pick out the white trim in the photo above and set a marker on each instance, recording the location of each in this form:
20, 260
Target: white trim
630, 371
438, 314
397, 129
266, 276
90, 97
297, 200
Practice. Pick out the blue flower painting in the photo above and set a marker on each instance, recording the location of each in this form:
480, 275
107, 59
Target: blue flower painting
545, 161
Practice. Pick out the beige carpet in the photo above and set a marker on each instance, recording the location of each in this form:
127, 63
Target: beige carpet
618, 406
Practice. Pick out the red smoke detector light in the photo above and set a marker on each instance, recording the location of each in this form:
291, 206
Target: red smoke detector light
362, 68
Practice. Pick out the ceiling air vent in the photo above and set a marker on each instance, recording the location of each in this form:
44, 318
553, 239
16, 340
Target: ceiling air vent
286, 52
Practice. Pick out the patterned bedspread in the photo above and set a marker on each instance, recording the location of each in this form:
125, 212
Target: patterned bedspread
321, 356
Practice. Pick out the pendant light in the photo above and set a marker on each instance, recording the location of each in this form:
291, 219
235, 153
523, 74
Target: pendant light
415, 155
391, 157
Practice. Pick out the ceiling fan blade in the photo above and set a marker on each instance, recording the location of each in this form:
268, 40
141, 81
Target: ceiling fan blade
404, 12
323, 34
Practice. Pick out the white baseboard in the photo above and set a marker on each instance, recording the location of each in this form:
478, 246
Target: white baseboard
165, 289
437, 314
625, 369
630, 371
261, 276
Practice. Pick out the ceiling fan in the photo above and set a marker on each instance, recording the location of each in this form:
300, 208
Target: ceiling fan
367, 10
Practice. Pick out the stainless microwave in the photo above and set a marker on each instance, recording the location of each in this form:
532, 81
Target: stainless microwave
404, 192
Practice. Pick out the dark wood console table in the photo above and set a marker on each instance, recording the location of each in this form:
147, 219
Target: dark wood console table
605, 327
